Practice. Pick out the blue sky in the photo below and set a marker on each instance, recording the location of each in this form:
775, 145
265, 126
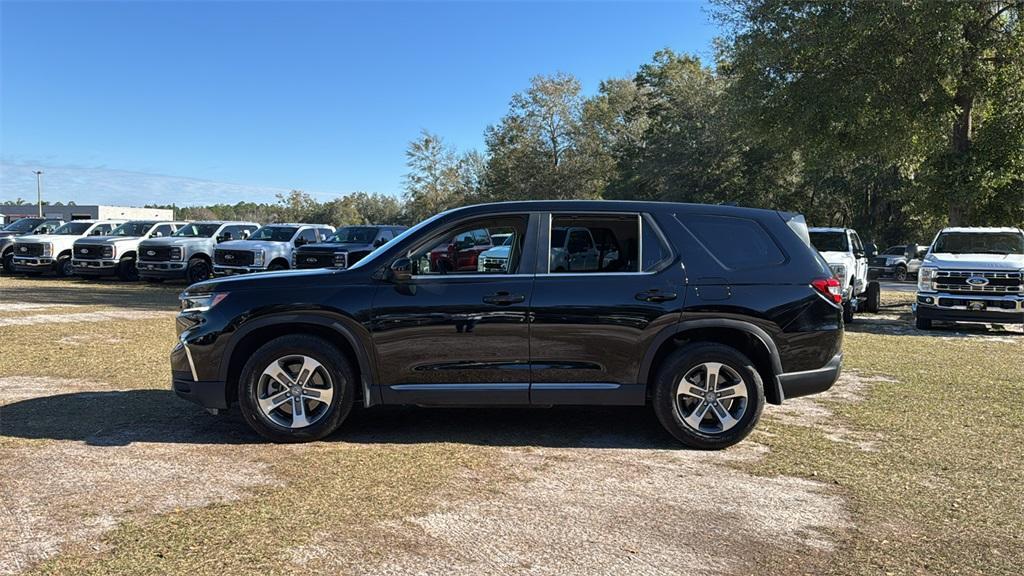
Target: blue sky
205, 102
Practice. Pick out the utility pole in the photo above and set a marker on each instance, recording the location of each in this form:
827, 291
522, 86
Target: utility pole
39, 190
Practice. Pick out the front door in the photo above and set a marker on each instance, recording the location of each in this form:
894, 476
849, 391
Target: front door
456, 334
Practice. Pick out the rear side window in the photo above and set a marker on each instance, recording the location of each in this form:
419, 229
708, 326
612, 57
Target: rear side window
737, 243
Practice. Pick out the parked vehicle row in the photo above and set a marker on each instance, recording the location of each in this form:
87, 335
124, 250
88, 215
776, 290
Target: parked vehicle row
192, 251
848, 260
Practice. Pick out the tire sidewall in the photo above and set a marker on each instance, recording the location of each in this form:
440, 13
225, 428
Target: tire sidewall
898, 274
193, 264
681, 362
316, 348
64, 268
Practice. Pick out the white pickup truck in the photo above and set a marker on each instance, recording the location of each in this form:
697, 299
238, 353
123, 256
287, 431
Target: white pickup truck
39, 253
972, 275
846, 256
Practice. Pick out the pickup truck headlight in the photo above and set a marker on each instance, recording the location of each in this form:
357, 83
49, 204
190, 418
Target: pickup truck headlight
341, 259
925, 275
200, 302
839, 271
47, 250
176, 253
108, 251
258, 257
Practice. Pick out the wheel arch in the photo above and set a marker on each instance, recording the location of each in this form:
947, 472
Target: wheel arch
201, 256
746, 337
282, 260
335, 329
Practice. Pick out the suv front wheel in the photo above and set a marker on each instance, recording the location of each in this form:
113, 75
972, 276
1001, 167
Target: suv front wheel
296, 388
708, 395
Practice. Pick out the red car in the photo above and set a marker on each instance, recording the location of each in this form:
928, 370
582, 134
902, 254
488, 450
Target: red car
462, 253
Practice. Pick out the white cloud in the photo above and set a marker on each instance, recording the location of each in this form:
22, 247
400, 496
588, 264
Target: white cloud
97, 185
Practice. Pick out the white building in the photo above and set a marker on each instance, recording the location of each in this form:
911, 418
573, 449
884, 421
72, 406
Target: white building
11, 212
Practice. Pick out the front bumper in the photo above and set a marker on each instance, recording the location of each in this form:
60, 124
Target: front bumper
944, 307
32, 263
807, 382
161, 269
94, 267
228, 270
208, 394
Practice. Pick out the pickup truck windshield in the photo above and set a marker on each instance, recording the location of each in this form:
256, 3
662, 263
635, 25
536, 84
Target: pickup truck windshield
354, 235
132, 229
829, 241
72, 229
22, 225
197, 230
274, 233
979, 243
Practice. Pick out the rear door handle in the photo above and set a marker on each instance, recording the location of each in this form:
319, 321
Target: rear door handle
655, 295
504, 298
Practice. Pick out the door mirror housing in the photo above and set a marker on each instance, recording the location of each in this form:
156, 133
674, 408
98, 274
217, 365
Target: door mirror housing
400, 270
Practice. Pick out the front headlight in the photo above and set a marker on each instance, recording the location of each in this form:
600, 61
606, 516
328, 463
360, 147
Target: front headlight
258, 257
47, 250
176, 253
925, 275
341, 259
200, 302
108, 251
838, 270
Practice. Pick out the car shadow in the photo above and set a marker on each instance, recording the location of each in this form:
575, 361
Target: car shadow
98, 292
118, 418
898, 321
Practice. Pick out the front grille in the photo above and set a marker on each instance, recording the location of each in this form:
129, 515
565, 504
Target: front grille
990, 304
978, 282
29, 250
233, 257
88, 252
314, 259
877, 262
155, 253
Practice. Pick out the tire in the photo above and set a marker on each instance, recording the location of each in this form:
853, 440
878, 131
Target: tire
331, 371
8, 263
692, 361
923, 323
127, 271
847, 312
275, 266
198, 270
900, 275
873, 300
63, 267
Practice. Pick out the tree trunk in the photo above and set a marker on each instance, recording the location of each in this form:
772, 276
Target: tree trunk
959, 209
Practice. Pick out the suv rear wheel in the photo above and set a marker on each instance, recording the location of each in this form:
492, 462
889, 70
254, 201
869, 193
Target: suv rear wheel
708, 395
296, 388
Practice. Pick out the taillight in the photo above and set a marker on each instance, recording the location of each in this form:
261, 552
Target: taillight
829, 288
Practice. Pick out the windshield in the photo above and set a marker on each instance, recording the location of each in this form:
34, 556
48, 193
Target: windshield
408, 232
22, 225
894, 251
132, 229
979, 243
274, 233
73, 229
197, 230
829, 241
354, 235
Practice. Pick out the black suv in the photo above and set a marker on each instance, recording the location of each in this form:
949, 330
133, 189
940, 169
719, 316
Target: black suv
348, 245
703, 312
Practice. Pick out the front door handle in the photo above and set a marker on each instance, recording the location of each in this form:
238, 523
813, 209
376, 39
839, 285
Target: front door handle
655, 295
504, 298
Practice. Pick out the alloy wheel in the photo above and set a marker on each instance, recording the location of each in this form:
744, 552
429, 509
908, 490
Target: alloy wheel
295, 391
711, 398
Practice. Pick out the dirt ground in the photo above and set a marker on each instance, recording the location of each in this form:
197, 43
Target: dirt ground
107, 472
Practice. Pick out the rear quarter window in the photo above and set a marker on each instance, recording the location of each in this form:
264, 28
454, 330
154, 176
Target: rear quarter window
737, 243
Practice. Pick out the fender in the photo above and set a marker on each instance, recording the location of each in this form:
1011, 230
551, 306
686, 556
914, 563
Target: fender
686, 325
342, 325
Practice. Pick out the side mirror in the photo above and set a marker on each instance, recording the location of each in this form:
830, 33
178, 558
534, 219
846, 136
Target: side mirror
299, 242
225, 237
158, 235
400, 271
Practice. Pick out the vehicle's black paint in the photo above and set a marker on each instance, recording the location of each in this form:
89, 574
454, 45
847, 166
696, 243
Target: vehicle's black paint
530, 337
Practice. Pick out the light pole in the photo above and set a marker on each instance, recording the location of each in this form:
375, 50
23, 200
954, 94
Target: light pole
39, 190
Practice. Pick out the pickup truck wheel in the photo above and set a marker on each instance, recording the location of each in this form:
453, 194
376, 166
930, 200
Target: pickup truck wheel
198, 270
873, 299
847, 312
901, 273
296, 388
923, 323
275, 266
8, 262
708, 395
63, 267
127, 271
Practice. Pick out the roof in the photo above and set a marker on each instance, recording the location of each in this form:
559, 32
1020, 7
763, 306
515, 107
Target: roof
220, 222
984, 229
298, 224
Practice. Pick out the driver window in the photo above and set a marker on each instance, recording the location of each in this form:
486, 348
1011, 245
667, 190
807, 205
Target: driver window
162, 230
307, 236
468, 249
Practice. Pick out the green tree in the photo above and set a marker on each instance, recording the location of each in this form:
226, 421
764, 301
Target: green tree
438, 178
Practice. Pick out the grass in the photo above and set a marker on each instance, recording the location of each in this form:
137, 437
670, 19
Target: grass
940, 494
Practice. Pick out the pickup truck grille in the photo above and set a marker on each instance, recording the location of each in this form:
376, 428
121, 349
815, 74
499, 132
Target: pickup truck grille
88, 252
233, 257
155, 253
970, 282
314, 259
29, 250
878, 262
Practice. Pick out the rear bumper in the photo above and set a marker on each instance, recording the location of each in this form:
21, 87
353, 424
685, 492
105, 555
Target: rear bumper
807, 382
164, 269
94, 267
